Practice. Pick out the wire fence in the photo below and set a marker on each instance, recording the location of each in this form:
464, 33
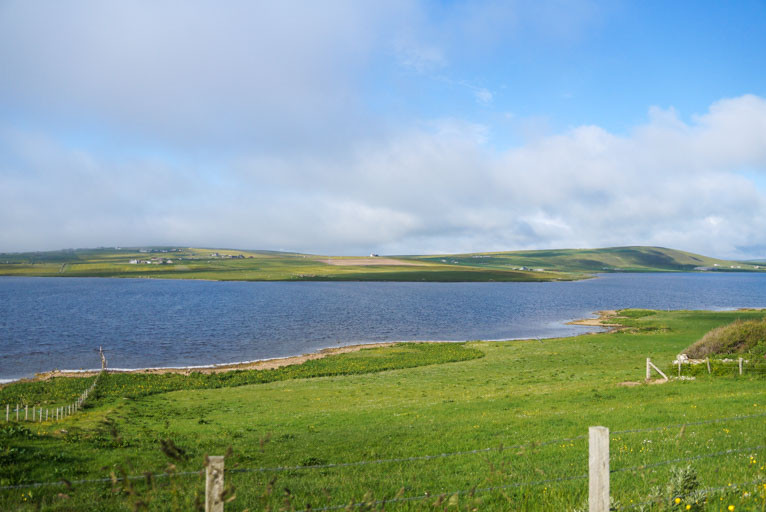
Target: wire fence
696, 495
40, 414
526, 449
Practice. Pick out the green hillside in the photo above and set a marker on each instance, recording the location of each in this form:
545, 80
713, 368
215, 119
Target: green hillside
243, 265
620, 259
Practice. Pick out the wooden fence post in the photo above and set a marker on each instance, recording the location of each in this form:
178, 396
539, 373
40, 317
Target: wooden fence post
7, 413
214, 484
648, 369
707, 360
26, 412
598, 469
740, 366
649, 365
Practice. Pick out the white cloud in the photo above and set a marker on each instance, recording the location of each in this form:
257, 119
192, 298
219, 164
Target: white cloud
193, 73
434, 187
483, 96
418, 56
263, 138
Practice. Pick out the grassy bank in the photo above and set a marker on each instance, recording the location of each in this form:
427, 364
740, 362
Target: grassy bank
511, 425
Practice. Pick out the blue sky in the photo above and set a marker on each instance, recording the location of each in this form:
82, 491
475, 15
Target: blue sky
347, 127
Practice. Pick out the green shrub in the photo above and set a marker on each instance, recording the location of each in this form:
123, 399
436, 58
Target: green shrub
736, 338
636, 313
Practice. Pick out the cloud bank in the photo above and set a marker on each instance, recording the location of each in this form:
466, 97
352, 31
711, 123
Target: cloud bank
181, 123
435, 187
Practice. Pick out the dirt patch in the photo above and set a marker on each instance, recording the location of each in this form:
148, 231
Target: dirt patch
268, 364
632, 383
604, 320
370, 262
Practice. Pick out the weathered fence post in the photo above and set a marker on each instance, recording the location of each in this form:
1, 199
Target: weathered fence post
707, 360
649, 365
598, 469
740, 366
214, 484
26, 412
7, 413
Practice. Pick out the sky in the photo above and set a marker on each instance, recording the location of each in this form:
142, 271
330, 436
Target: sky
395, 127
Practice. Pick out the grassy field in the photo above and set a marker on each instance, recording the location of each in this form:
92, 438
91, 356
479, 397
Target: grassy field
509, 417
219, 264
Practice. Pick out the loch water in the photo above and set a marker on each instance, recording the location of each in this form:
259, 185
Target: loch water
48, 323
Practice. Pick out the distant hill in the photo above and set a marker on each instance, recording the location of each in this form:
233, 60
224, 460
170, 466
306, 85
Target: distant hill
244, 265
611, 259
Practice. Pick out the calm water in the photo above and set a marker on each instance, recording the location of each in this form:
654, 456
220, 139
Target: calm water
48, 323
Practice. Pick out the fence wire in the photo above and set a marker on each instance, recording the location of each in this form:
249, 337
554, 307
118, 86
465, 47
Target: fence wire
446, 494
690, 423
499, 448
686, 459
700, 493
68, 483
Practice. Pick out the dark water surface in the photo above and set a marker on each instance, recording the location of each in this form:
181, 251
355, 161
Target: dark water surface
48, 323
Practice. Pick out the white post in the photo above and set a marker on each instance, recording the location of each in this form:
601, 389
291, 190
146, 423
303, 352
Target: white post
214, 484
648, 369
33, 413
598, 469
7, 413
657, 369
740, 366
707, 360
26, 412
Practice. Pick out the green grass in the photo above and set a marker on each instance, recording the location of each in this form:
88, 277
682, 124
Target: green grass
195, 263
518, 393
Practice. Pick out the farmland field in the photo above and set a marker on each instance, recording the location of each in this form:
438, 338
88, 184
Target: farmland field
244, 265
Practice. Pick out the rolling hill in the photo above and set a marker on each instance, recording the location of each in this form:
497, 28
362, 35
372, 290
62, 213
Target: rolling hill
246, 265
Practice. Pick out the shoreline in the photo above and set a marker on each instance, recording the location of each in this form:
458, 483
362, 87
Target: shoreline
604, 320
278, 362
